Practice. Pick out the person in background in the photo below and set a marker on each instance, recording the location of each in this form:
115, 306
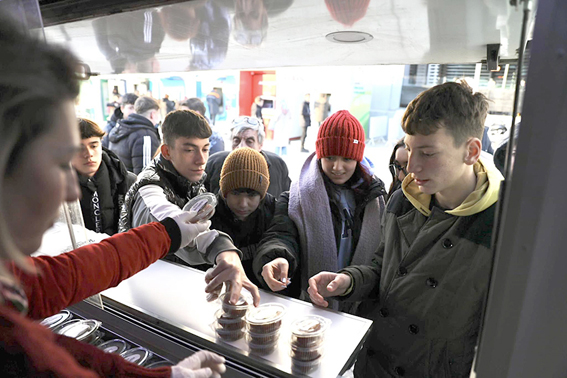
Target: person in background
321, 108
174, 177
135, 139
245, 208
38, 87
215, 102
331, 216
169, 105
256, 108
429, 278
398, 166
486, 143
281, 125
249, 132
123, 111
103, 178
305, 121
194, 103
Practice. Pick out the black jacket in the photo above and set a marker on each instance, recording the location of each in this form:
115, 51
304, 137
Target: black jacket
279, 174
116, 116
103, 194
246, 234
282, 238
128, 138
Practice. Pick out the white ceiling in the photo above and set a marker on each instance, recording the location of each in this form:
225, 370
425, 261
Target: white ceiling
230, 34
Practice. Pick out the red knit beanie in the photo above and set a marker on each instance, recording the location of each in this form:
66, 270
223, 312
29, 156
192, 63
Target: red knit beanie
340, 135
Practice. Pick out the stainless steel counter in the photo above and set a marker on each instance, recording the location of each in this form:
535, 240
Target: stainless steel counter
175, 295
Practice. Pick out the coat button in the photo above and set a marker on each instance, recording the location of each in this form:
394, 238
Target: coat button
431, 282
399, 371
413, 329
402, 271
447, 243
384, 312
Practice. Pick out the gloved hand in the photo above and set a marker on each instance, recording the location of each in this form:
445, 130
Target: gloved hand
189, 231
203, 364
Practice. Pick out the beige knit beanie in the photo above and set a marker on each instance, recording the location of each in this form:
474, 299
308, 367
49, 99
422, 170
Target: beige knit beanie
245, 168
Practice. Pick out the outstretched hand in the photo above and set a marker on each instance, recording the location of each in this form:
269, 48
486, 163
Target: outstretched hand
203, 364
327, 284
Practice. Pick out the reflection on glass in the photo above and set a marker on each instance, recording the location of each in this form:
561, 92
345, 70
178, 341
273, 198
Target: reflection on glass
347, 12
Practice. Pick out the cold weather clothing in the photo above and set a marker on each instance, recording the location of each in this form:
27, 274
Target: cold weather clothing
28, 349
248, 233
244, 168
341, 135
279, 174
215, 103
321, 108
103, 194
114, 118
427, 284
135, 141
311, 216
161, 192
216, 143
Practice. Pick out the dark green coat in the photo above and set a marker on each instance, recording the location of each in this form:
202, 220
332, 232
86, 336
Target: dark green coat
426, 288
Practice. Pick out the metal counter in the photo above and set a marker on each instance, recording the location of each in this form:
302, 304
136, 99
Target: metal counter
173, 297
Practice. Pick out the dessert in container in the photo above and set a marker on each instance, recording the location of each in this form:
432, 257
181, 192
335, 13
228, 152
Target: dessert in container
265, 319
262, 349
228, 323
228, 334
238, 309
263, 338
309, 331
306, 354
304, 367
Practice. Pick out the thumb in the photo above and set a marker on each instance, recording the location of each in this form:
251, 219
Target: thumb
202, 226
333, 285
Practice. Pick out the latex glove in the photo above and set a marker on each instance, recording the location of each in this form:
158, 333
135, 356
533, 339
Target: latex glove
203, 364
327, 284
189, 231
229, 270
275, 274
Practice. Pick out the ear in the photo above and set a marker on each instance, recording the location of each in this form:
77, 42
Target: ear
164, 149
473, 150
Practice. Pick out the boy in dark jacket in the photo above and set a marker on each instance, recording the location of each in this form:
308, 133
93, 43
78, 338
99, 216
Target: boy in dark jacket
103, 178
245, 208
426, 285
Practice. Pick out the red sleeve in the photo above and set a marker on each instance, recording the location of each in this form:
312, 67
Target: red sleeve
71, 277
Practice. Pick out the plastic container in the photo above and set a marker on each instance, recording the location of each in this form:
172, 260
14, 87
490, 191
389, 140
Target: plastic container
57, 319
237, 310
198, 203
82, 330
306, 354
309, 331
161, 363
137, 355
228, 335
228, 323
263, 338
115, 346
304, 367
262, 349
266, 318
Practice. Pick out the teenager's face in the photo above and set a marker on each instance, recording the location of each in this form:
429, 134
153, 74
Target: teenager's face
189, 156
88, 159
242, 204
436, 165
338, 169
246, 138
41, 180
401, 158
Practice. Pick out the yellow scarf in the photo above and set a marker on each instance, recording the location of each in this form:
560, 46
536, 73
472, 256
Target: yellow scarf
482, 197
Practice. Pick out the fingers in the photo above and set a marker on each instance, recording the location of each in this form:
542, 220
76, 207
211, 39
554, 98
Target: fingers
313, 291
283, 267
253, 289
269, 277
202, 373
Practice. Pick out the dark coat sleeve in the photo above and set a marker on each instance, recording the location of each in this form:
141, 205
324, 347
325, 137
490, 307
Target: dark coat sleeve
280, 240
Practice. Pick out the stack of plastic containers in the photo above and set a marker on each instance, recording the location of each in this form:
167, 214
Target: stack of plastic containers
229, 324
307, 341
264, 323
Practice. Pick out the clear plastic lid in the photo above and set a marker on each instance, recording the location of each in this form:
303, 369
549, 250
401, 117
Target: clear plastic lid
243, 302
265, 314
81, 329
137, 355
311, 325
55, 320
115, 346
198, 205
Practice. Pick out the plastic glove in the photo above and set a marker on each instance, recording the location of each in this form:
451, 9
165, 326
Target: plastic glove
203, 364
189, 231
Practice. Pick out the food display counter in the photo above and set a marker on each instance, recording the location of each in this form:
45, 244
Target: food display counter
164, 309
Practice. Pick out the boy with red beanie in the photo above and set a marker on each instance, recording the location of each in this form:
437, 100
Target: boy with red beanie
429, 277
329, 219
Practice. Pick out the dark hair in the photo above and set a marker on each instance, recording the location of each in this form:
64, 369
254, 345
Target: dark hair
245, 190
184, 123
89, 129
144, 104
360, 180
128, 98
395, 181
195, 104
452, 106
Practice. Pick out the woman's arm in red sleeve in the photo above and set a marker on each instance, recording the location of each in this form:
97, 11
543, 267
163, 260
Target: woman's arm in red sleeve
71, 277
